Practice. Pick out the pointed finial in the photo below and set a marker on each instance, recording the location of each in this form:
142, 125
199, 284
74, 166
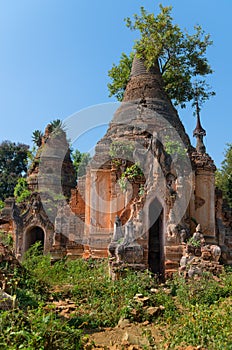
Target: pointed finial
199, 132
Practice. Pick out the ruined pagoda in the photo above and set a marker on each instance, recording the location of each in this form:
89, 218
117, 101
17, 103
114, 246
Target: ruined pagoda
178, 188
144, 193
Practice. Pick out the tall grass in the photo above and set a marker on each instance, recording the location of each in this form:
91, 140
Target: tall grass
197, 312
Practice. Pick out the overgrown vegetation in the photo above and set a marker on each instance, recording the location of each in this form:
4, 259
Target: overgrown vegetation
131, 173
197, 312
121, 153
174, 148
224, 175
13, 165
80, 162
21, 191
6, 239
121, 150
181, 57
37, 329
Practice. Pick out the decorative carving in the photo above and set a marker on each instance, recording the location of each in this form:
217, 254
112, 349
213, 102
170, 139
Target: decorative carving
199, 202
129, 251
117, 236
198, 257
203, 161
198, 235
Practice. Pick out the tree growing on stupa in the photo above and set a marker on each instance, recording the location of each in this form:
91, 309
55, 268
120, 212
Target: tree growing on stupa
181, 57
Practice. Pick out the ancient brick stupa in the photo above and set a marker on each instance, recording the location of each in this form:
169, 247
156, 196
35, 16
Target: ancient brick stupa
146, 228
145, 191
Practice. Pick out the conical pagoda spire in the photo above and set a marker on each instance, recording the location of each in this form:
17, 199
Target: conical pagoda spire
146, 109
199, 132
144, 83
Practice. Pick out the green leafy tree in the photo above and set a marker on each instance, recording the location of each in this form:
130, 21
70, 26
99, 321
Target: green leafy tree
181, 57
120, 76
21, 191
224, 175
13, 165
80, 162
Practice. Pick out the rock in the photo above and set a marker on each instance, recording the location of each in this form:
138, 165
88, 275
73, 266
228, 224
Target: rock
125, 337
135, 313
123, 322
141, 299
132, 341
154, 290
7, 302
167, 291
65, 313
138, 295
88, 346
153, 311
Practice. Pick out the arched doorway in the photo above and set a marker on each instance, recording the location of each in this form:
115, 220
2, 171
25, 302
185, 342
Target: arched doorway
155, 241
33, 235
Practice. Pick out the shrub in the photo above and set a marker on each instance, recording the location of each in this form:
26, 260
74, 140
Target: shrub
196, 312
205, 290
37, 329
6, 239
21, 191
208, 327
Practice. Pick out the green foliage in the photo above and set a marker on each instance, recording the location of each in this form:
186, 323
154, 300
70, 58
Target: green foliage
121, 153
2, 204
196, 312
205, 291
56, 125
33, 258
193, 242
121, 150
28, 283
100, 301
132, 172
80, 162
31, 153
21, 191
207, 327
13, 164
85, 159
6, 239
37, 329
141, 190
120, 76
174, 148
180, 56
28, 288
201, 93
205, 312
123, 184
224, 175
56, 128
37, 137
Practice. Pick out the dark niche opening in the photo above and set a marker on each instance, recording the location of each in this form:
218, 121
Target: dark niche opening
35, 234
155, 243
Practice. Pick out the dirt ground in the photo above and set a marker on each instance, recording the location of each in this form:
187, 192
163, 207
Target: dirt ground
128, 336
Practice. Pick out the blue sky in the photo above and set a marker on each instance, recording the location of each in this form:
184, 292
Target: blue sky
55, 55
